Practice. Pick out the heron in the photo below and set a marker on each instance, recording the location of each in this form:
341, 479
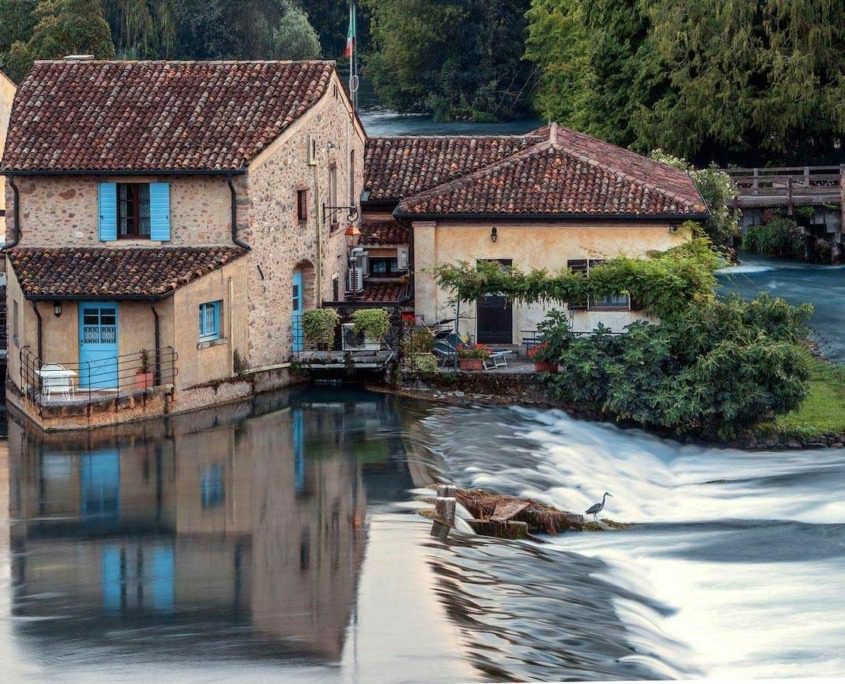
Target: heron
595, 509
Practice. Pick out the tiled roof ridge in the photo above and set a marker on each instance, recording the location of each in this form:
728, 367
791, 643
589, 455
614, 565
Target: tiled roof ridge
610, 166
478, 173
184, 61
550, 144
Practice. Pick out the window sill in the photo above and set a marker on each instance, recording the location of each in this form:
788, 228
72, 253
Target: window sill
217, 341
132, 242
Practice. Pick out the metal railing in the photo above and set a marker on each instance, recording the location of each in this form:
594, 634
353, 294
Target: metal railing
787, 185
49, 383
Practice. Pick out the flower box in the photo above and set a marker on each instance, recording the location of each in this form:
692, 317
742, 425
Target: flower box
469, 364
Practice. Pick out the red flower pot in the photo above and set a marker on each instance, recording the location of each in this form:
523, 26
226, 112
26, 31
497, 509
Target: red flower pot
471, 364
545, 367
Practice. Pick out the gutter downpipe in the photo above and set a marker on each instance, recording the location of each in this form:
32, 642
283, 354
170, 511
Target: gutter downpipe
157, 329
234, 208
17, 214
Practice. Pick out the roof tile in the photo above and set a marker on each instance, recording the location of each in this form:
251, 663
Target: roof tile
119, 273
390, 232
156, 115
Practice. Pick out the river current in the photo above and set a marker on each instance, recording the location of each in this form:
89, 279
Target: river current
279, 538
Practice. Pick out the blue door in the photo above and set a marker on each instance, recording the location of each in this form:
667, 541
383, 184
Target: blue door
99, 483
296, 316
98, 345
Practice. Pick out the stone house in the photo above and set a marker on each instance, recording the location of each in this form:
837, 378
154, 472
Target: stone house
551, 199
182, 208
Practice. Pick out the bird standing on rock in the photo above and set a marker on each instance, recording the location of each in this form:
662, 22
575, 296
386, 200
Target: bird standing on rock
595, 509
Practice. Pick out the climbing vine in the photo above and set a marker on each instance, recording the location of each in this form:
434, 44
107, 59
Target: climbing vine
662, 283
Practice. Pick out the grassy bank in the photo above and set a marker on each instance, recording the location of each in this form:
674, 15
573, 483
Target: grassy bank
823, 411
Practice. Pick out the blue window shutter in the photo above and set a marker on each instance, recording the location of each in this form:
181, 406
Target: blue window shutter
160, 211
108, 211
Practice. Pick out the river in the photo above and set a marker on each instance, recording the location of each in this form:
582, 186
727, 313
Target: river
279, 538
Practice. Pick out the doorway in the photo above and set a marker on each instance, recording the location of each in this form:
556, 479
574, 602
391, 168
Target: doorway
494, 315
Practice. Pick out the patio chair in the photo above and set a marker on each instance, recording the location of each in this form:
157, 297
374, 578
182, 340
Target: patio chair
446, 349
55, 379
498, 359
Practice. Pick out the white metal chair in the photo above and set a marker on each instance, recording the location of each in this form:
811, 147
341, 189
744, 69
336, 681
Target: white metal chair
56, 379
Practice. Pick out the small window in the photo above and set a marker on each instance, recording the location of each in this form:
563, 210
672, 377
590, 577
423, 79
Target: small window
16, 322
133, 210
210, 321
302, 205
352, 198
383, 267
608, 302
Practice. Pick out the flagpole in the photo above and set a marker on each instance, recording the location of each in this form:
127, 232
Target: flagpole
352, 49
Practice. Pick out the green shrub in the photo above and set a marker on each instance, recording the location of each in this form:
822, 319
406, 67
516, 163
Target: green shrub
319, 325
374, 323
713, 370
419, 341
781, 237
424, 362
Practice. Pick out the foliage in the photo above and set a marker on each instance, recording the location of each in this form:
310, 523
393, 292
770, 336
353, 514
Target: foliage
374, 323
456, 58
710, 80
294, 37
60, 28
780, 237
714, 369
663, 283
419, 341
424, 363
823, 409
718, 190
467, 350
319, 325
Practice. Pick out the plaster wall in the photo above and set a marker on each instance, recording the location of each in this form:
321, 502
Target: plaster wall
528, 245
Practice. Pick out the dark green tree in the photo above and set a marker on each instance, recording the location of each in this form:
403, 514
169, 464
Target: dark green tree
63, 27
455, 58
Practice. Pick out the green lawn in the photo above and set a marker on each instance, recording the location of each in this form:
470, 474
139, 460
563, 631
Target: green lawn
823, 411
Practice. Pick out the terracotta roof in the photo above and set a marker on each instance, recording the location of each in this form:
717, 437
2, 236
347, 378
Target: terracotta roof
403, 166
568, 174
169, 116
384, 233
47, 273
384, 292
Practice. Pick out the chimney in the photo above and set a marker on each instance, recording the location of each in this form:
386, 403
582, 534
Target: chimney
78, 58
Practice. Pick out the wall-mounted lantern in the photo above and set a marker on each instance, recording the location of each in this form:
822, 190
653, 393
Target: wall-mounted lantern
57, 309
494, 234
353, 236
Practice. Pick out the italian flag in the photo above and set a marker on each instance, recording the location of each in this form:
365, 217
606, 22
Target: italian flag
351, 34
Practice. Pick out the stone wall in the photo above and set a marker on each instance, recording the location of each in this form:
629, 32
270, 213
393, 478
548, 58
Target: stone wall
280, 242
64, 210
528, 245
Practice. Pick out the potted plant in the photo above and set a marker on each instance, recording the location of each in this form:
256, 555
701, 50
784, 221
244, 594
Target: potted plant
417, 350
540, 355
471, 357
143, 374
318, 327
373, 324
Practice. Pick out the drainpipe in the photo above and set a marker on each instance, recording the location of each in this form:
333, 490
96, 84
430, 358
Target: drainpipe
234, 194
157, 329
17, 214
318, 267
40, 343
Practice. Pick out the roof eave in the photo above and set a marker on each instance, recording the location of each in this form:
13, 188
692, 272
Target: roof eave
123, 172
98, 298
621, 217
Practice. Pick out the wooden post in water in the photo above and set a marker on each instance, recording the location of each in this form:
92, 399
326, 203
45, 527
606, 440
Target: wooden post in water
445, 506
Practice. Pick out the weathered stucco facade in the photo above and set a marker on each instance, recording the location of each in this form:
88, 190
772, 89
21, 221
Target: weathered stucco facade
529, 245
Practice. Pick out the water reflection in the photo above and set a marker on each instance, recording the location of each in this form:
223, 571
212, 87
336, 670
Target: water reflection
240, 531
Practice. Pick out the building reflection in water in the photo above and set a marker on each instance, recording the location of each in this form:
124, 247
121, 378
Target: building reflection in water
224, 531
